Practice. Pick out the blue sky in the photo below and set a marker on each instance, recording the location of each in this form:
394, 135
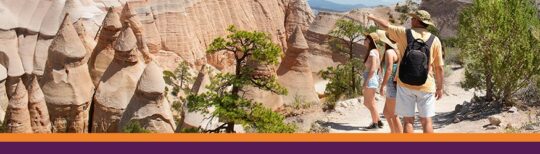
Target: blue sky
367, 2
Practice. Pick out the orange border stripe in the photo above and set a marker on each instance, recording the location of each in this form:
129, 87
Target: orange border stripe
269, 137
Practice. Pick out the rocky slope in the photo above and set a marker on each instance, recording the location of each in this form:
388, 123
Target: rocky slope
318, 37
445, 14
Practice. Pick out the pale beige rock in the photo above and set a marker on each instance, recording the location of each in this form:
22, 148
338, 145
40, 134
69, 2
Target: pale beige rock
187, 27
17, 115
495, 120
199, 119
294, 72
266, 98
53, 18
3, 73
148, 106
66, 84
117, 86
9, 56
27, 46
67, 44
3, 96
128, 41
41, 53
298, 13
3, 100
39, 114
103, 53
88, 42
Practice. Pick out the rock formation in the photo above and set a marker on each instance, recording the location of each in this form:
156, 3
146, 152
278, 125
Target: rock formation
9, 51
321, 54
187, 27
266, 98
39, 114
294, 72
17, 114
297, 13
148, 106
103, 53
118, 83
173, 31
3, 96
67, 85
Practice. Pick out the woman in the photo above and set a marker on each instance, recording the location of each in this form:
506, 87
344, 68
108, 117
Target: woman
389, 65
371, 79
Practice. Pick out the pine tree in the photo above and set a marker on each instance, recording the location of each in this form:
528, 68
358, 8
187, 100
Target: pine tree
230, 105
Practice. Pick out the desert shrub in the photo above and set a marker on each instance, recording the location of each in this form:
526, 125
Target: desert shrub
341, 85
134, 127
502, 52
453, 56
2, 127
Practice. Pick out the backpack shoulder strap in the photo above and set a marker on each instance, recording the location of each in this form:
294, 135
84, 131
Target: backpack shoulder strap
429, 42
410, 37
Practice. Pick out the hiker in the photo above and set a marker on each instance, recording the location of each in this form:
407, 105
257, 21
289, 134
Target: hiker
388, 85
420, 70
371, 79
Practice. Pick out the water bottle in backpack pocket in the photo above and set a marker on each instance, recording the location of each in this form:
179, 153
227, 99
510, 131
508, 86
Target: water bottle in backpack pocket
414, 66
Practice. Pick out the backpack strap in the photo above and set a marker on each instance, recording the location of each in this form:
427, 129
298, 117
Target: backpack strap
410, 37
429, 42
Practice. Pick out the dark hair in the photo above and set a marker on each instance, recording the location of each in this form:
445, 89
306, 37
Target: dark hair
386, 47
370, 47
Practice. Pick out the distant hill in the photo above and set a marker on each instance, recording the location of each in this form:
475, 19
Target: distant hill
324, 5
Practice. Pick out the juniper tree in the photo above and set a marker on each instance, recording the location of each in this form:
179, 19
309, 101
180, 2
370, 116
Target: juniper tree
230, 105
497, 41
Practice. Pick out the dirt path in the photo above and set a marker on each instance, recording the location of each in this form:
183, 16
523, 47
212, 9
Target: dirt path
351, 116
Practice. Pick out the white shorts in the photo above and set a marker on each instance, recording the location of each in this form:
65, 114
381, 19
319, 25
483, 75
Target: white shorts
407, 100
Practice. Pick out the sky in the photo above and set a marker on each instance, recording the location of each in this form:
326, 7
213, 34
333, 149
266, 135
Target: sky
368, 2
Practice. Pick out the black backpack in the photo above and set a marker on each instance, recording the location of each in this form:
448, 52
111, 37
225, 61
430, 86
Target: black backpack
414, 66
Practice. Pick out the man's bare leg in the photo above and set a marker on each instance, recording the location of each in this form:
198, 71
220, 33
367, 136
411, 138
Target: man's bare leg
408, 124
427, 124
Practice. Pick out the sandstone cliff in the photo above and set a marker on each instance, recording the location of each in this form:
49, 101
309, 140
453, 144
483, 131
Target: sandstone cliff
173, 31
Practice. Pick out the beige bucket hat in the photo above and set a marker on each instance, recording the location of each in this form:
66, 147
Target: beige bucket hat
383, 37
375, 38
423, 16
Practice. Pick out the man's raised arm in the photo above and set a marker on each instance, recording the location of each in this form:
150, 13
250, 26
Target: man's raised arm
383, 24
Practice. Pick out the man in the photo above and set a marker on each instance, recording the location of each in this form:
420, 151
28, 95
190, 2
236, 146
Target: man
423, 94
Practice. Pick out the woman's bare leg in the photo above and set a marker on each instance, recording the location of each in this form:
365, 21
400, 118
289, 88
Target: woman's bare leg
369, 102
389, 113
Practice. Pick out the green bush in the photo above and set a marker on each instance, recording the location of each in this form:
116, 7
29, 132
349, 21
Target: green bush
180, 79
177, 106
453, 56
299, 103
2, 127
497, 41
190, 130
339, 85
135, 127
